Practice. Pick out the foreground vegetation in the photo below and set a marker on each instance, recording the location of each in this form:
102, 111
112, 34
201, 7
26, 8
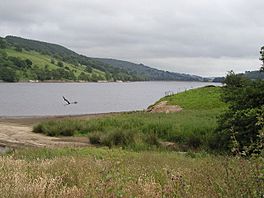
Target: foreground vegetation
100, 172
191, 128
154, 171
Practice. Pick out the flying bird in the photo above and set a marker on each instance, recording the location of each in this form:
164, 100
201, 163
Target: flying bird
68, 102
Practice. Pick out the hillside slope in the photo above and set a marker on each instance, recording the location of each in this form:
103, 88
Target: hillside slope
55, 62
148, 73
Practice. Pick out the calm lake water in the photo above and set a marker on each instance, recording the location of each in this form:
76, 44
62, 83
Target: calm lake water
28, 99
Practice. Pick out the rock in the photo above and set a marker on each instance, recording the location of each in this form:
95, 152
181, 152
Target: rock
163, 107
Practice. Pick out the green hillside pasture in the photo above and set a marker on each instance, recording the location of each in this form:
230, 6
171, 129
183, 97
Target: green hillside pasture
100, 172
192, 128
205, 98
41, 61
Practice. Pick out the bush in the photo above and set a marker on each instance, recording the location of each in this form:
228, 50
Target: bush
60, 64
55, 128
239, 122
194, 141
8, 74
95, 137
118, 138
151, 139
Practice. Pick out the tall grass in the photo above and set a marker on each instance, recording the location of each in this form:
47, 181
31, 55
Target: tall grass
96, 172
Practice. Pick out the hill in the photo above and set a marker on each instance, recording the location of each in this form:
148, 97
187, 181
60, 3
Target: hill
148, 73
254, 75
46, 61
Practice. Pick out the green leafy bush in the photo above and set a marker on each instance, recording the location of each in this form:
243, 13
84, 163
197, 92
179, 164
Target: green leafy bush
245, 99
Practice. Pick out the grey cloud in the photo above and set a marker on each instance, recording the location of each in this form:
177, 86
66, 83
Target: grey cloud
162, 33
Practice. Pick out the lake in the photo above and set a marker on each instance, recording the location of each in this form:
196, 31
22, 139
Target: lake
32, 99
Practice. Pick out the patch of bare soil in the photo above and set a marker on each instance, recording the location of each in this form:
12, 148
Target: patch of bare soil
17, 132
14, 135
163, 107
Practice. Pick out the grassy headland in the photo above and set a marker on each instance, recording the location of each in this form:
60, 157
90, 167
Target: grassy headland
192, 128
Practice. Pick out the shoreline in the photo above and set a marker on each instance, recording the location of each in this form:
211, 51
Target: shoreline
31, 120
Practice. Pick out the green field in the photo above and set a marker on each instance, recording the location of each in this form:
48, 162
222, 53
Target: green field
192, 128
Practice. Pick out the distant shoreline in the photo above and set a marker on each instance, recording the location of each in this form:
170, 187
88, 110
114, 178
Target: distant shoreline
61, 81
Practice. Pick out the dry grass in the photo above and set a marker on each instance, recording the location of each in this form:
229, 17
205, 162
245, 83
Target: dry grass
98, 172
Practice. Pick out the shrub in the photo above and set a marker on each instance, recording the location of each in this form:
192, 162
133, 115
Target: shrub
8, 74
60, 64
151, 139
118, 137
55, 128
245, 98
95, 137
194, 141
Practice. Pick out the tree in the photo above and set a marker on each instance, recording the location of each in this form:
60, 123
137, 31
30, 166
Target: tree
28, 62
60, 64
94, 77
262, 58
7, 74
18, 62
18, 48
3, 43
88, 69
84, 77
245, 99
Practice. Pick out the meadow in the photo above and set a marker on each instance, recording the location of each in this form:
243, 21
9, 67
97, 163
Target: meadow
103, 172
192, 128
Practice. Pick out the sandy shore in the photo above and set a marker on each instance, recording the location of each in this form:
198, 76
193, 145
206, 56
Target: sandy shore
17, 132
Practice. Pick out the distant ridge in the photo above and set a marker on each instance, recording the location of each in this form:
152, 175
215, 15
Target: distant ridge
148, 73
85, 68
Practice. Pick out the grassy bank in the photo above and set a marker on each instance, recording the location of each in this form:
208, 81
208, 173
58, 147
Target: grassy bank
191, 128
99, 172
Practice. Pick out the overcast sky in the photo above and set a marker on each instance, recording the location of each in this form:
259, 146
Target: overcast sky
203, 37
